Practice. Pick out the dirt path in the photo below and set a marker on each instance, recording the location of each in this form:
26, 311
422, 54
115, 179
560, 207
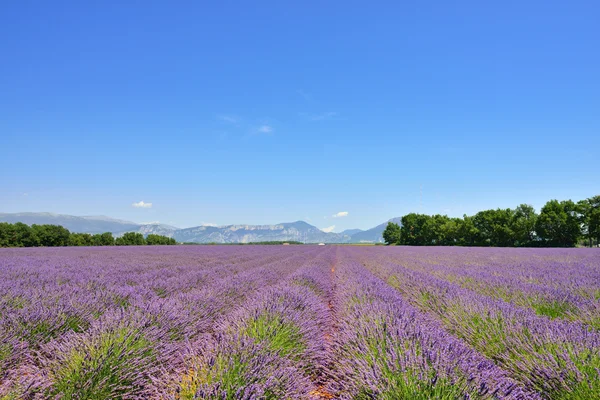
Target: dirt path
324, 381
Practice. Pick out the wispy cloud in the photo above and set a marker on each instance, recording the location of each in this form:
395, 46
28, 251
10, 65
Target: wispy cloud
323, 116
305, 95
208, 224
340, 214
265, 129
228, 118
151, 223
141, 204
319, 116
328, 229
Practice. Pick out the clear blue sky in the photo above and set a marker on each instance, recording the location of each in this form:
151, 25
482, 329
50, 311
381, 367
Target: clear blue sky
266, 112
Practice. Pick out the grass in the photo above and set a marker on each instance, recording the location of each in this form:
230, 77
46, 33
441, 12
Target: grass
519, 352
160, 292
6, 350
542, 306
13, 394
301, 281
228, 370
233, 369
121, 301
279, 335
418, 386
514, 348
232, 373
552, 308
42, 331
398, 380
14, 302
103, 367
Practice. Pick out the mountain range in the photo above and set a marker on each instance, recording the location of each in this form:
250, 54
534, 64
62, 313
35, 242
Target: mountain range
296, 231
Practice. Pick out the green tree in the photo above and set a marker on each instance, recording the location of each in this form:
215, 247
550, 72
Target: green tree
131, 239
493, 228
413, 230
449, 232
17, 235
559, 224
391, 234
51, 235
467, 232
5, 234
590, 218
523, 225
22, 235
81, 239
103, 239
153, 239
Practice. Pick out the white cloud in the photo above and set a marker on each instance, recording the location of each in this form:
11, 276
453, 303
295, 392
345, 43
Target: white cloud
141, 204
228, 118
340, 214
328, 229
265, 129
151, 223
323, 116
208, 224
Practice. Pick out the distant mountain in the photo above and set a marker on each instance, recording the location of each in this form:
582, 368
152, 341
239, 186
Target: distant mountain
373, 235
350, 232
87, 224
157, 229
297, 231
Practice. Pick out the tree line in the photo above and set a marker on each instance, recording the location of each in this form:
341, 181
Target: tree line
559, 224
23, 235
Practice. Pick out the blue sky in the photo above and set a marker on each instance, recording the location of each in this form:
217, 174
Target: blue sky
265, 112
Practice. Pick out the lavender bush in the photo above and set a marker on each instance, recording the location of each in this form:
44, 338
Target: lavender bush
299, 322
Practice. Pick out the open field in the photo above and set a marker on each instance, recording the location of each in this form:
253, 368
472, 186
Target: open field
299, 322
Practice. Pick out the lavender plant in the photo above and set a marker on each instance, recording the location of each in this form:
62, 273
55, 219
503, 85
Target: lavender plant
299, 322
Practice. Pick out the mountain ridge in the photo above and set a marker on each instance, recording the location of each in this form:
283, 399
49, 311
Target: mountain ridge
235, 233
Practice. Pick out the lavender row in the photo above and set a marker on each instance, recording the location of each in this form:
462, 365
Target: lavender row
557, 359
62, 322
518, 283
576, 271
386, 349
272, 347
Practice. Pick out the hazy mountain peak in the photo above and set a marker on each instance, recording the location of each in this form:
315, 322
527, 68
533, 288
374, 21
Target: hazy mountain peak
293, 231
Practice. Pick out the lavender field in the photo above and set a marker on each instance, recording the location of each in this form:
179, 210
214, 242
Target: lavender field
299, 322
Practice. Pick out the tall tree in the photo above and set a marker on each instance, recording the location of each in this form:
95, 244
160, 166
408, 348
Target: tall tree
51, 235
559, 223
449, 232
81, 239
391, 234
131, 239
413, 230
467, 232
493, 227
104, 239
153, 239
22, 235
590, 217
523, 225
